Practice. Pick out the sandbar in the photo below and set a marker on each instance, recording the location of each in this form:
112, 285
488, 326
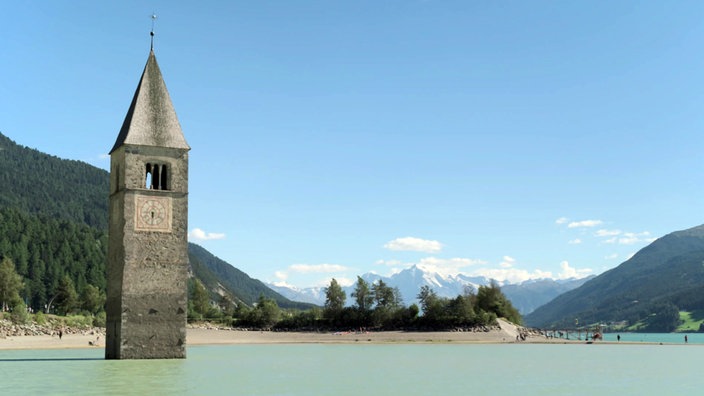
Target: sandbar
210, 335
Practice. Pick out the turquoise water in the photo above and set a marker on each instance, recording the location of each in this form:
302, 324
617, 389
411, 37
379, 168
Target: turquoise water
673, 338
415, 369
665, 338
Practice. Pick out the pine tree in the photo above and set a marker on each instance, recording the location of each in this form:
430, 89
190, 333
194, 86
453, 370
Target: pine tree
200, 299
66, 296
10, 284
362, 295
334, 300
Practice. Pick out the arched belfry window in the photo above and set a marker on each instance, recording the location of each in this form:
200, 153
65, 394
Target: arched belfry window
155, 177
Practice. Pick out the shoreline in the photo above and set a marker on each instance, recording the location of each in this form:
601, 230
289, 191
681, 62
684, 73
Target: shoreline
215, 337
504, 333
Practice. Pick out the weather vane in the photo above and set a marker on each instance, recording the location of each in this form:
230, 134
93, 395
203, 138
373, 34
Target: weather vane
152, 32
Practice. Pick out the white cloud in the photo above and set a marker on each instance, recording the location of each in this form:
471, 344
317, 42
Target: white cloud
395, 266
562, 220
283, 284
612, 256
607, 233
584, 223
450, 266
346, 281
390, 263
512, 275
631, 238
569, 272
283, 275
518, 275
342, 281
197, 234
317, 268
507, 262
298, 270
628, 239
414, 245
575, 241
611, 236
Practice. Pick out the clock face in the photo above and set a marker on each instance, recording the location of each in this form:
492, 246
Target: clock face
153, 213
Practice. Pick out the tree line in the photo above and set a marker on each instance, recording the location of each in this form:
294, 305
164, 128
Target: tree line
374, 306
57, 266
51, 265
378, 305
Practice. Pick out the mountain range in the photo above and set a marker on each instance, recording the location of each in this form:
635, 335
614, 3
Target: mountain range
650, 291
43, 185
525, 296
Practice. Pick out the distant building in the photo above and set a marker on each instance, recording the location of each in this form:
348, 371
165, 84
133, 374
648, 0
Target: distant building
147, 266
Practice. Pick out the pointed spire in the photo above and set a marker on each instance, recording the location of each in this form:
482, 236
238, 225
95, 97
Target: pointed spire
151, 119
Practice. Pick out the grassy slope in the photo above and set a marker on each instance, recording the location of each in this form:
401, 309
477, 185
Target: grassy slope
690, 321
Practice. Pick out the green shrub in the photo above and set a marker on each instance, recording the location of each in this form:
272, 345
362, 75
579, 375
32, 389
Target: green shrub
79, 321
40, 318
19, 313
100, 319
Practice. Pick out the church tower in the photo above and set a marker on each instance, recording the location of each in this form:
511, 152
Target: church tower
147, 266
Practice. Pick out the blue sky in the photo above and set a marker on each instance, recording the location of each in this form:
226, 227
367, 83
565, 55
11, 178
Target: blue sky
332, 138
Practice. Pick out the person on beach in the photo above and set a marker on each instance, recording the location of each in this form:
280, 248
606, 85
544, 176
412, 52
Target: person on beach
686, 340
618, 337
61, 333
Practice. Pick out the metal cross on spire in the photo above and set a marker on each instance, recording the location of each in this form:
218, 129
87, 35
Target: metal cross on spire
152, 32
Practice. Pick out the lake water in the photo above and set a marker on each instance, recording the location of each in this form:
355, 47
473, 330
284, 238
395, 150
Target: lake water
665, 338
406, 369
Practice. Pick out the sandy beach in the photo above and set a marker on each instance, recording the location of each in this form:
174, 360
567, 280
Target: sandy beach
213, 336
220, 336
201, 336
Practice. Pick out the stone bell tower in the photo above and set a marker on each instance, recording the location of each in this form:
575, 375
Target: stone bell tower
147, 266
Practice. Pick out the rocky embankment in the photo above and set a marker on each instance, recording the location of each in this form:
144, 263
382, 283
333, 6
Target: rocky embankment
51, 328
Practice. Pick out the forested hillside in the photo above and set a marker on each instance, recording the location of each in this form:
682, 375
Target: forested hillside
53, 228
649, 290
56, 258
38, 183
215, 273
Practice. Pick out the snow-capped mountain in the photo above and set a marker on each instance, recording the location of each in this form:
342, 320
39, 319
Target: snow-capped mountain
410, 281
312, 295
525, 296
